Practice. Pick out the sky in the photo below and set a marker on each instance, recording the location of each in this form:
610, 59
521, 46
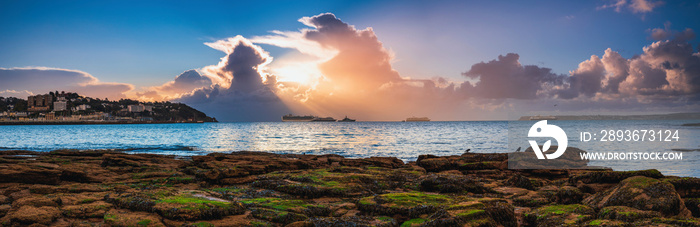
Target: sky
371, 60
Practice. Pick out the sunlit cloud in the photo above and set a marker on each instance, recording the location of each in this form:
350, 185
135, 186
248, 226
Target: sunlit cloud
40, 80
15, 93
183, 84
636, 6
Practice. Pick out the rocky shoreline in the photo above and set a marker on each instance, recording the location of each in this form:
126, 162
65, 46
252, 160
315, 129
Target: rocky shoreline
111, 188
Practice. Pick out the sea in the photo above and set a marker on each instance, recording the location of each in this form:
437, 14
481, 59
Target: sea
404, 140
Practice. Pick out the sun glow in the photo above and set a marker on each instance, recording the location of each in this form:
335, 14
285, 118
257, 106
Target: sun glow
302, 72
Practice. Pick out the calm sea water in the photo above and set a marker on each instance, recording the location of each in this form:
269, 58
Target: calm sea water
405, 140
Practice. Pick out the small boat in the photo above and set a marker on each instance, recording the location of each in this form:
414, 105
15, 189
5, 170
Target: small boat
346, 119
411, 119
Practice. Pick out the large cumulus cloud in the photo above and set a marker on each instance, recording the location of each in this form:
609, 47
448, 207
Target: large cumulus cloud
667, 69
40, 80
183, 84
505, 77
242, 91
360, 59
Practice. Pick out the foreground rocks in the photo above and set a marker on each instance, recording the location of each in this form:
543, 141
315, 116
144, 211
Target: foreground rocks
109, 188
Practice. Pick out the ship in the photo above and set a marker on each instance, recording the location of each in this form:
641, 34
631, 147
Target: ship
410, 119
324, 119
346, 119
290, 117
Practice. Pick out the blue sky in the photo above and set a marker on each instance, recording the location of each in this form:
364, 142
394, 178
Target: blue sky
149, 42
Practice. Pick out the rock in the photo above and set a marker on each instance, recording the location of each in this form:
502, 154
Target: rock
301, 224
520, 181
607, 176
503, 213
90, 210
132, 201
436, 164
42, 189
626, 214
483, 165
343, 221
610, 223
37, 201
674, 221
76, 174
593, 188
20, 173
189, 207
5, 199
693, 204
385, 162
4, 209
123, 160
410, 204
642, 193
20, 194
277, 216
448, 183
123, 218
568, 195
467, 161
558, 215
686, 186
27, 215
531, 199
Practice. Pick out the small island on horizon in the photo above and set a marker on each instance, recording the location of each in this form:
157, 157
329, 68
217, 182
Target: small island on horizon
72, 108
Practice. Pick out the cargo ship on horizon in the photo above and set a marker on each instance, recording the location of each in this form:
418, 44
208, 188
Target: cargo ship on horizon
306, 118
290, 117
414, 119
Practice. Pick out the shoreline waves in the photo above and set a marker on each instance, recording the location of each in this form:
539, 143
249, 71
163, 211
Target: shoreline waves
112, 188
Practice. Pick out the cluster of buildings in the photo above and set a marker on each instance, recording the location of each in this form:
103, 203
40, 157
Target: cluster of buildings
50, 107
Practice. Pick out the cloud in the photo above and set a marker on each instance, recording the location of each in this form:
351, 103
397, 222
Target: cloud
636, 6
184, 83
361, 59
14, 93
586, 80
662, 33
666, 70
505, 77
667, 33
242, 90
40, 80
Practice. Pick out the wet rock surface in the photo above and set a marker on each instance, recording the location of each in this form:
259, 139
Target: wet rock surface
109, 188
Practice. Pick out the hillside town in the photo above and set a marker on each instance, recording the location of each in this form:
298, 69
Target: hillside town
70, 107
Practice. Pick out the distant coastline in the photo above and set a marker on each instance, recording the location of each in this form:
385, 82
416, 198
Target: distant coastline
69, 108
671, 116
93, 122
